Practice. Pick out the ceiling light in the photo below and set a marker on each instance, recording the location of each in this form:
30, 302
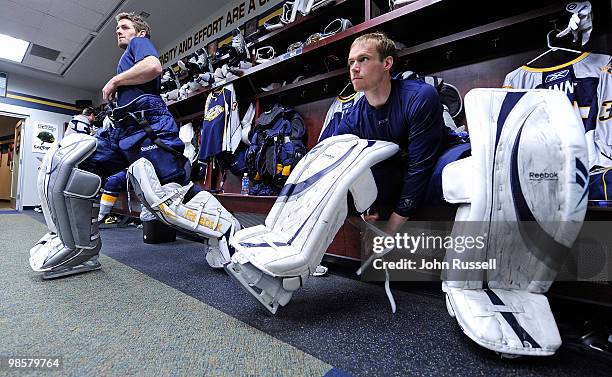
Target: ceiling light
12, 48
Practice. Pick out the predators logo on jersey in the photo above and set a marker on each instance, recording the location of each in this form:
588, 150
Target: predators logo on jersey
213, 113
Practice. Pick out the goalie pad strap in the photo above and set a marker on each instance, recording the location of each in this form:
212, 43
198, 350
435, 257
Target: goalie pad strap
144, 124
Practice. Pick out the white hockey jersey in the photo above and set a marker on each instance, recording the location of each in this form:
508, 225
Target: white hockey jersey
221, 128
587, 83
334, 115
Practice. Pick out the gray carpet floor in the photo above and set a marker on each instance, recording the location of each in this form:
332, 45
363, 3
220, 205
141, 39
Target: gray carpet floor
160, 310
119, 321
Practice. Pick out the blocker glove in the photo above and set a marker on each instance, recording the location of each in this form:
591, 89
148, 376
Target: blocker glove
581, 21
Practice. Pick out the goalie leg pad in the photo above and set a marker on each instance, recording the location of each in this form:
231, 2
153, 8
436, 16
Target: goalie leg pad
69, 197
524, 188
41, 187
273, 260
202, 215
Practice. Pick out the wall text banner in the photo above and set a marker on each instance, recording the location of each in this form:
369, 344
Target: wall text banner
233, 15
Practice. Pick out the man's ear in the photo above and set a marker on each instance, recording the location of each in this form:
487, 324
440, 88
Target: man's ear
388, 63
142, 33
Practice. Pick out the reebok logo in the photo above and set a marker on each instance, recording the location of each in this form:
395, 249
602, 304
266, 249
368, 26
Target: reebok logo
543, 176
557, 76
347, 105
148, 148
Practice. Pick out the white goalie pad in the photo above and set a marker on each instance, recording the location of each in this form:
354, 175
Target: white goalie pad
512, 322
524, 189
68, 195
41, 187
202, 215
275, 259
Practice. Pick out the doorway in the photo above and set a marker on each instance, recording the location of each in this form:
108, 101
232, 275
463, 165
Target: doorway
10, 148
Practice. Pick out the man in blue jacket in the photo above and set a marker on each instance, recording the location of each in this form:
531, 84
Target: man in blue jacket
406, 112
135, 89
142, 127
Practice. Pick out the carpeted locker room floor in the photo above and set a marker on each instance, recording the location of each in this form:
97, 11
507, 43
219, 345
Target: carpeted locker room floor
160, 310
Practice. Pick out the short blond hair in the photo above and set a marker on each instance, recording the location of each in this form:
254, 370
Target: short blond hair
383, 44
137, 21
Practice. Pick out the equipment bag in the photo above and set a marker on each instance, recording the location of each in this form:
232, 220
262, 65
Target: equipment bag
276, 145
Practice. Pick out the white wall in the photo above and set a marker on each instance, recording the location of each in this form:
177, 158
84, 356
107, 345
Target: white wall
46, 89
30, 163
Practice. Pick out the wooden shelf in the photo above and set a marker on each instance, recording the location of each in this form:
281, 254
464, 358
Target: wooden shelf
310, 81
304, 23
303, 26
259, 75
246, 203
477, 31
431, 45
192, 94
189, 117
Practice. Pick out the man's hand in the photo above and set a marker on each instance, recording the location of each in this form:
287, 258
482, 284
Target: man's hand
373, 217
109, 90
395, 223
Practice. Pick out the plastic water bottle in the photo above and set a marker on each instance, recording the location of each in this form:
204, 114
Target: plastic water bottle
244, 188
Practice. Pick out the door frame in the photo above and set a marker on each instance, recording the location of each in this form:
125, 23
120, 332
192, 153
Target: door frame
16, 202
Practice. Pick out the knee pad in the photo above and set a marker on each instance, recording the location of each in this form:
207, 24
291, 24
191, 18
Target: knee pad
68, 197
525, 190
202, 215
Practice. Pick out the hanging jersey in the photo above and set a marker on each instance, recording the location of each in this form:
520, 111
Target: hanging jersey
586, 82
221, 129
603, 134
335, 113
